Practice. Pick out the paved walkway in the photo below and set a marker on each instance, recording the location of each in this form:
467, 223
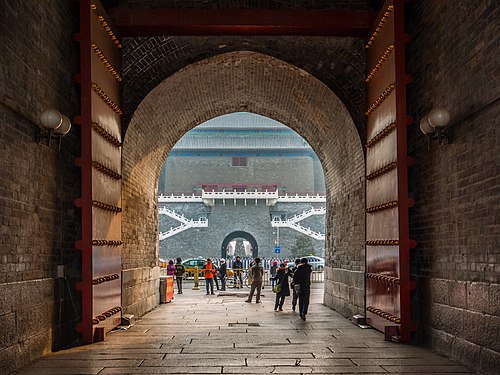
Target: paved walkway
221, 334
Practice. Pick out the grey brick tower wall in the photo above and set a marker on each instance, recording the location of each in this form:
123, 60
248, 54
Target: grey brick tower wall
456, 186
223, 220
38, 183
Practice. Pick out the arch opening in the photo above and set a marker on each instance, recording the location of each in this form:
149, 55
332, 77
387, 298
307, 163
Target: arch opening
235, 235
249, 82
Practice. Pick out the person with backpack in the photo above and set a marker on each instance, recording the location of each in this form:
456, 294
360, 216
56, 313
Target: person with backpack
256, 273
284, 287
179, 274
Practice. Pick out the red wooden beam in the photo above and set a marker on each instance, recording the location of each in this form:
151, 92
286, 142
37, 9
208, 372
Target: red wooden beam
265, 22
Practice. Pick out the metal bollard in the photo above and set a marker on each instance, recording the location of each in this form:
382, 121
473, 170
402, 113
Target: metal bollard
196, 286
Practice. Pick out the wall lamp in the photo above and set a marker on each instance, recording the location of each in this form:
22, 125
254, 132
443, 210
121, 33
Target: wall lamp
53, 124
435, 125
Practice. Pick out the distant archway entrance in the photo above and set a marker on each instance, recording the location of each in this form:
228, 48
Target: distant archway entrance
239, 234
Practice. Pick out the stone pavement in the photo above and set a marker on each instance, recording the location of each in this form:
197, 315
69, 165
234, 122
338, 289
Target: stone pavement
221, 334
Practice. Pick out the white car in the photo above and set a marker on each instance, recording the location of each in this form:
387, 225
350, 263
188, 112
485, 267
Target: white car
317, 263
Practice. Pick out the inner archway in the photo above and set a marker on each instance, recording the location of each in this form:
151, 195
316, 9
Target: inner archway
251, 82
239, 234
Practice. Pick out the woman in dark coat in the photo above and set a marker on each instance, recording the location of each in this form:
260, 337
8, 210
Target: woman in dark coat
282, 279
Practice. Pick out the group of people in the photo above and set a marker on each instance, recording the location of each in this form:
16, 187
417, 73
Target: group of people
176, 270
298, 279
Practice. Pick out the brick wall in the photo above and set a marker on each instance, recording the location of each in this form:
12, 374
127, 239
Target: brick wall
454, 61
38, 183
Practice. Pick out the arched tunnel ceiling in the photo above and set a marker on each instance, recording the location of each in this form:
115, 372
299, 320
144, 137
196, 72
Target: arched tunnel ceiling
337, 62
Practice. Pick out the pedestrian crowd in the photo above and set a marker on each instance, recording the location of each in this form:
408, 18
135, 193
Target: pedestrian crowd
294, 281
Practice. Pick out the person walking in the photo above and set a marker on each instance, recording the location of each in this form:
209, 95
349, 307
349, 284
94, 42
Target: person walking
295, 296
256, 273
209, 276
238, 272
179, 274
216, 275
281, 278
272, 272
222, 274
170, 268
302, 282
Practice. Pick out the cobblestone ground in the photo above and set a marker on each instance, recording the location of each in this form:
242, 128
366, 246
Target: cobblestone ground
221, 334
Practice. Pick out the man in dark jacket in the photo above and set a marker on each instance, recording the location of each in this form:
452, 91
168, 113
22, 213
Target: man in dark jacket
222, 273
302, 282
179, 272
238, 272
295, 296
256, 273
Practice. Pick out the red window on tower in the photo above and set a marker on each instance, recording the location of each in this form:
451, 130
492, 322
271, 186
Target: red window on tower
239, 161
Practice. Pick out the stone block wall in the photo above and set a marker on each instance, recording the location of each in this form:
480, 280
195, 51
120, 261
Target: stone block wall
453, 58
38, 182
140, 290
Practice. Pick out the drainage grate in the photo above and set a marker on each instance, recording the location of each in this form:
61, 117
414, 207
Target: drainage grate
244, 324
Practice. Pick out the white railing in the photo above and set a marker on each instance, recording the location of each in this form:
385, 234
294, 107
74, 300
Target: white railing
293, 223
299, 228
271, 197
186, 223
302, 198
306, 214
182, 198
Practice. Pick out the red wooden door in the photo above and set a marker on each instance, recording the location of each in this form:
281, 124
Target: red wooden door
100, 162
388, 282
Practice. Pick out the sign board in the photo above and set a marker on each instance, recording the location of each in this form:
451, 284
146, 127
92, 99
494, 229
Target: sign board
277, 249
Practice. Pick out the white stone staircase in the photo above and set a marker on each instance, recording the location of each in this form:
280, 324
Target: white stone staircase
185, 223
293, 223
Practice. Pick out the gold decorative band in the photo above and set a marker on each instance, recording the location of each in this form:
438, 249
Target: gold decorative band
379, 27
381, 135
107, 207
383, 278
106, 135
382, 206
106, 27
105, 62
379, 63
105, 279
382, 242
381, 171
107, 242
101, 168
380, 99
106, 99
384, 314
106, 314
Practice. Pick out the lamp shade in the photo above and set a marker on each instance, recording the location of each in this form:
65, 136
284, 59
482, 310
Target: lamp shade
439, 117
51, 119
64, 128
425, 127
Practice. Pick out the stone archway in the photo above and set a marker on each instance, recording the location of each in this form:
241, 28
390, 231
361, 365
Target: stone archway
251, 82
239, 234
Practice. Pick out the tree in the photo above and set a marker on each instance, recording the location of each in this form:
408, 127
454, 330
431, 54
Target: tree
303, 246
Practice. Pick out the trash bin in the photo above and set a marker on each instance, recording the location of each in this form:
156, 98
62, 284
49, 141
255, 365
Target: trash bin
169, 290
166, 289
163, 289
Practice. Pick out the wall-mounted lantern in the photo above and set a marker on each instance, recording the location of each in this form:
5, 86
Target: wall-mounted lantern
435, 125
53, 124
